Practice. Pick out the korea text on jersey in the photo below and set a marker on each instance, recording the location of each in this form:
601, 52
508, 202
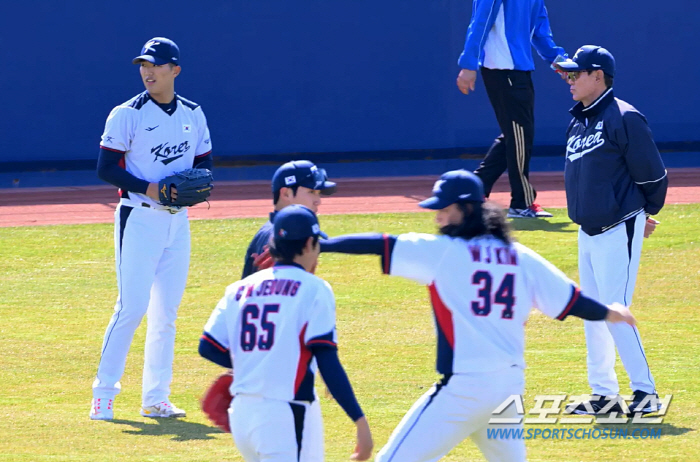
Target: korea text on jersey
574, 433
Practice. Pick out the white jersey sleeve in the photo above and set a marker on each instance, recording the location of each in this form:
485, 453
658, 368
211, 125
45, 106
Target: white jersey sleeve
553, 293
320, 328
217, 326
204, 139
417, 256
119, 130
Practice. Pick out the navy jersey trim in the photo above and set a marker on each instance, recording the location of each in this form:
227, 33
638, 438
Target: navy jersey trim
208, 338
112, 150
124, 212
190, 104
438, 387
575, 292
629, 227
325, 340
299, 412
445, 332
304, 381
389, 243
140, 100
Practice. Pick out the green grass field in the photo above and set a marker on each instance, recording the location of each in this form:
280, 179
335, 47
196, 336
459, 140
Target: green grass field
57, 291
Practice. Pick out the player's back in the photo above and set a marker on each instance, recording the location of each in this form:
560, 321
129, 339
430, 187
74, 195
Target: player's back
273, 313
482, 291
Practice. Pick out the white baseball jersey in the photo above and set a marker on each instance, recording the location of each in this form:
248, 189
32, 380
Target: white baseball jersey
268, 321
482, 292
156, 144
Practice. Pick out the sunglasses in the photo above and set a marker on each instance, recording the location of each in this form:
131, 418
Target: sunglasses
574, 75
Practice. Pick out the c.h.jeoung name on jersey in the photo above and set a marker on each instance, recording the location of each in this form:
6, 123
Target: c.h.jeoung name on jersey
270, 287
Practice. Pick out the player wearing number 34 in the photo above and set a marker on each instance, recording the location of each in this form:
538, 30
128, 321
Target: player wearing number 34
276, 328
482, 287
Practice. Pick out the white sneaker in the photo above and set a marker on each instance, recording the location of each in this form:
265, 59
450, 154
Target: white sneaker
521, 213
102, 409
162, 409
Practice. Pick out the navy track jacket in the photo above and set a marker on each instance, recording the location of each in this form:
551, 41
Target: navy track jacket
613, 169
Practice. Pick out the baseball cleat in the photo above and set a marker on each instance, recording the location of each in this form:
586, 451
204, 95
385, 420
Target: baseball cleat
164, 409
595, 406
102, 409
644, 403
540, 212
521, 213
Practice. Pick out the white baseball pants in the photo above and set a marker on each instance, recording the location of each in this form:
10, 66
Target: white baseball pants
269, 430
152, 249
608, 265
447, 414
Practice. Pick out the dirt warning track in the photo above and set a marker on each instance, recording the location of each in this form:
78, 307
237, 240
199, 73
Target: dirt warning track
96, 204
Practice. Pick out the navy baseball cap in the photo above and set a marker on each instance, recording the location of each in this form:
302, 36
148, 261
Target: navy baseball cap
302, 173
590, 58
296, 222
159, 51
455, 186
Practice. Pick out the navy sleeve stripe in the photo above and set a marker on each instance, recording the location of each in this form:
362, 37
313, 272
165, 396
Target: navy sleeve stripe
575, 292
112, 150
208, 338
319, 342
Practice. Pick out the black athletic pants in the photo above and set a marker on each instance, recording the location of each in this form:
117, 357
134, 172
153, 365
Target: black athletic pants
512, 96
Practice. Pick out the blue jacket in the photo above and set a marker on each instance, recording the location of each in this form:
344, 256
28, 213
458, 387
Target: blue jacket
257, 246
613, 170
526, 24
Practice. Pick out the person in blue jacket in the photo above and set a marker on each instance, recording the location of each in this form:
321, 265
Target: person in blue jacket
297, 182
499, 43
615, 179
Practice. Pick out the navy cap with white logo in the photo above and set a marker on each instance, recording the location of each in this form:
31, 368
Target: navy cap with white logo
159, 51
296, 222
455, 186
590, 58
302, 173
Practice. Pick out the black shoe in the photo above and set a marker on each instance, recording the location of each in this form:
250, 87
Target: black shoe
644, 403
596, 406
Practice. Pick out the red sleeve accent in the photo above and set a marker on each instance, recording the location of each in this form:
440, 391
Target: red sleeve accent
574, 296
304, 360
325, 342
443, 316
202, 155
110, 149
213, 342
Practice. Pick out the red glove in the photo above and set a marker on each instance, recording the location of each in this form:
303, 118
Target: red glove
264, 260
217, 399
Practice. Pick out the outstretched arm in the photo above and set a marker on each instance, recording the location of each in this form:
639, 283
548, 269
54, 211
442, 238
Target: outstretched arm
339, 385
359, 244
586, 308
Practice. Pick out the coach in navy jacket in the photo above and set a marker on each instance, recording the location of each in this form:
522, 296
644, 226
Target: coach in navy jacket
615, 179
613, 168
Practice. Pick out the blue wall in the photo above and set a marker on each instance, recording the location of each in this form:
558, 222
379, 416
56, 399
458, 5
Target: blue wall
276, 76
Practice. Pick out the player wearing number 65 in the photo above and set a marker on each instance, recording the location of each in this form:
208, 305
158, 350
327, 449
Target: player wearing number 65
270, 327
482, 287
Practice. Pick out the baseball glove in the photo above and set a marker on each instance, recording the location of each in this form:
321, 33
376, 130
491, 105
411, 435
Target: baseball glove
217, 399
193, 186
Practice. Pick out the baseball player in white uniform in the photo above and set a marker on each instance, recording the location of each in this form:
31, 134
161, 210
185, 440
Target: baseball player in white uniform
273, 327
482, 287
147, 138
